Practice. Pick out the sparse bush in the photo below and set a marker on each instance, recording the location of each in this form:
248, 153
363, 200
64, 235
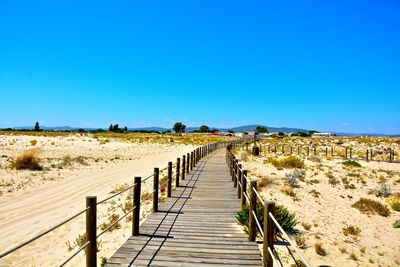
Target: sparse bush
288, 162
119, 188
396, 224
319, 249
33, 142
351, 163
284, 217
291, 178
315, 193
383, 190
264, 182
112, 218
353, 256
369, 206
300, 241
306, 226
289, 192
351, 230
394, 202
28, 160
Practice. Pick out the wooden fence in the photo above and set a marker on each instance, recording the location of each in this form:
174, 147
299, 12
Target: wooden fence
182, 167
247, 192
342, 152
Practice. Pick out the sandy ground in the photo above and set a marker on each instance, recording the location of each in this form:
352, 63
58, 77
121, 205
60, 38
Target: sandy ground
32, 201
329, 210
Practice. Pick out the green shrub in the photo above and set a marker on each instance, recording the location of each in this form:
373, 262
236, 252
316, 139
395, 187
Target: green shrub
383, 190
396, 224
284, 217
351, 163
369, 206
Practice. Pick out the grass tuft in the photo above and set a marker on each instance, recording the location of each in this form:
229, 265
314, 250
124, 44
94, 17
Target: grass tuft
27, 160
369, 206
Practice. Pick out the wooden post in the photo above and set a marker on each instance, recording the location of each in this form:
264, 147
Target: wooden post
326, 151
308, 151
91, 231
178, 170
367, 156
169, 186
275, 148
238, 179
244, 189
253, 207
156, 180
188, 162
268, 239
315, 151
291, 150
192, 160
351, 153
183, 167
346, 153
370, 154
390, 156
283, 149
136, 204
269, 149
332, 151
235, 172
298, 150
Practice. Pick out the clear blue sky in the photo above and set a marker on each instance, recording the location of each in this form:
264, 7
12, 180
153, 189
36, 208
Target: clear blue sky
326, 65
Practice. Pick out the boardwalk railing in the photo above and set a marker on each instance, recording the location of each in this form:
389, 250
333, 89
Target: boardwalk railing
247, 192
343, 152
182, 167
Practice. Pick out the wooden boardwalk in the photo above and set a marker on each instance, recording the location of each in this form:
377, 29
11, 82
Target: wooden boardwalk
195, 227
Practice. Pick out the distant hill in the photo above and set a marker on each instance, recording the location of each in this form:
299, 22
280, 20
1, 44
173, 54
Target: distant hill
191, 129
270, 129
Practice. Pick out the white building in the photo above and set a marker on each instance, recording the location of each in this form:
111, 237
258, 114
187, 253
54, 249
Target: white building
324, 134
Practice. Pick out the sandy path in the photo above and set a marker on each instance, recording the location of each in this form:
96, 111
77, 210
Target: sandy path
25, 214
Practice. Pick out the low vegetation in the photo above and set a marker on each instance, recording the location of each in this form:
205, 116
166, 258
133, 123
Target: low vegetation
351, 163
287, 162
28, 160
351, 230
319, 249
284, 217
369, 206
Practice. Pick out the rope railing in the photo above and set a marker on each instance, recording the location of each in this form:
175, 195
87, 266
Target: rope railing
175, 171
251, 198
42, 234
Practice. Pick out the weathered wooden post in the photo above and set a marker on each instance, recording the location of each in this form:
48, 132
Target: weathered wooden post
253, 207
351, 153
183, 167
326, 151
91, 231
269, 228
188, 163
269, 149
178, 170
238, 180
298, 150
283, 149
308, 151
315, 151
332, 151
371, 154
191, 161
235, 172
390, 156
275, 149
136, 203
291, 150
346, 153
244, 188
156, 180
169, 185
367, 155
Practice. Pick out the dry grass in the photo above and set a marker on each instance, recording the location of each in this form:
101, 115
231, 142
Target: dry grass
306, 226
288, 162
112, 218
300, 241
369, 206
394, 202
315, 193
119, 188
264, 182
28, 160
351, 230
319, 249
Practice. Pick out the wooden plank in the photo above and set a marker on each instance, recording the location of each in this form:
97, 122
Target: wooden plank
195, 227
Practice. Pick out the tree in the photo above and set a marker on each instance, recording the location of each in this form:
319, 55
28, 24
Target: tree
281, 134
204, 129
231, 131
179, 127
115, 128
125, 129
37, 127
214, 130
110, 129
261, 129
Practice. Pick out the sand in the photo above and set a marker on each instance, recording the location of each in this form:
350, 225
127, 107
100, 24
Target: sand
32, 201
328, 213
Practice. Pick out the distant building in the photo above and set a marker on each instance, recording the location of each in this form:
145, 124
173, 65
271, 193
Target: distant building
323, 134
